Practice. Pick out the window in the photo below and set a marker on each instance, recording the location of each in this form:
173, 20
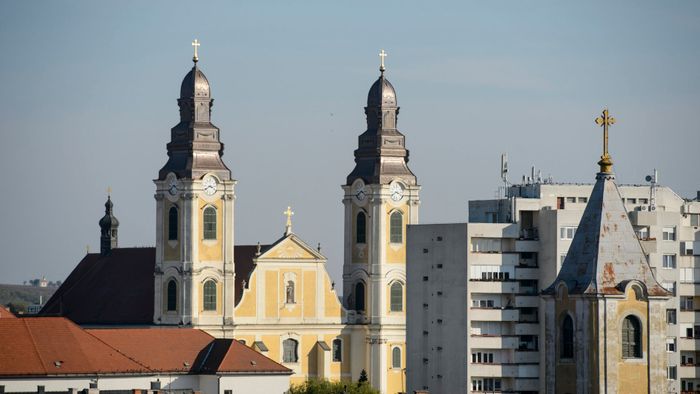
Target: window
671, 344
209, 295
289, 292
669, 233
172, 295
695, 219
396, 228
643, 201
583, 199
631, 338
669, 261
486, 245
483, 303
671, 316
492, 272
396, 297
289, 354
671, 372
670, 286
337, 350
396, 357
571, 199
686, 303
567, 338
631, 200
486, 384
209, 223
482, 357
642, 232
361, 228
172, 224
360, 296
567, 232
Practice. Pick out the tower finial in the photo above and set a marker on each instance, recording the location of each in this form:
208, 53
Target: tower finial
195, 44
605, 120
289, 215
382, 55
109, 191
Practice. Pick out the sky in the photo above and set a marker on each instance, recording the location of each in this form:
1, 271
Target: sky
89, 95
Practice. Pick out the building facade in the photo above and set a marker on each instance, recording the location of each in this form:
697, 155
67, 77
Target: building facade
513, 248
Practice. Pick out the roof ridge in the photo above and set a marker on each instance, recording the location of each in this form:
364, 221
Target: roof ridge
34, 345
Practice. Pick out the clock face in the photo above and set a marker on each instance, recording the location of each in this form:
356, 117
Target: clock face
360, 194
396, 191
172, 187
209, 185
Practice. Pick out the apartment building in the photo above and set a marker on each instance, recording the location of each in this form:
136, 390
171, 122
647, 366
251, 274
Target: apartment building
510, 249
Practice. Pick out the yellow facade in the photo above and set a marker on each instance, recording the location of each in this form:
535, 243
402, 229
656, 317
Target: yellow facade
210, 250
396, 253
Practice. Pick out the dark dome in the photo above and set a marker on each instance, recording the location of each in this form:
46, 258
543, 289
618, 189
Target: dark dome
381, 94
195, 84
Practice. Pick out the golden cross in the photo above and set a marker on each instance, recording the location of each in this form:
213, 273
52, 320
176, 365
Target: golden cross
382, 55
195, 44
605, 120
109, 190
289, 215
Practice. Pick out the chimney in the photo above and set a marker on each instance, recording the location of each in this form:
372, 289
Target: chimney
698, 196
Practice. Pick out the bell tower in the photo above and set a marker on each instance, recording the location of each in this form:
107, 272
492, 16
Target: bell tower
109, 228
380, 199
194, 273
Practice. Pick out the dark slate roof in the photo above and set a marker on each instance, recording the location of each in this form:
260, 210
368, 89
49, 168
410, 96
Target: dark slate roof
112, 289
118, 288
605, 253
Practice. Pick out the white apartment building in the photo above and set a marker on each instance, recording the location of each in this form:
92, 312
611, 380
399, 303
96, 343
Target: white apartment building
500, 260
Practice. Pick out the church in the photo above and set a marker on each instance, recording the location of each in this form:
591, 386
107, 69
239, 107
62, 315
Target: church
276, 298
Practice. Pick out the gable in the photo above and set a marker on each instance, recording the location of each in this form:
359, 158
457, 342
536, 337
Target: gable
290, 247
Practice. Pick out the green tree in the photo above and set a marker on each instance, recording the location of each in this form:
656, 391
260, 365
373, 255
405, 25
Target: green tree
363, 377
316, 386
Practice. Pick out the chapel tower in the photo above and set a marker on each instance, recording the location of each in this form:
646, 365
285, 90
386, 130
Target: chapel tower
605, 321
381, 199
194, 273
109, 229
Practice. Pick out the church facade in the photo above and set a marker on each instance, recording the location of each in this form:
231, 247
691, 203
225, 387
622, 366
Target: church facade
276, 298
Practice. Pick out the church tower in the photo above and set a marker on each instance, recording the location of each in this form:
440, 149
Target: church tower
605, 321
194, 273
109, 228
381, 199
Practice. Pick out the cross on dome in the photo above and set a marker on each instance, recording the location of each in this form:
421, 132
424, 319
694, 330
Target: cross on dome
196, 45
605, 120
382, 55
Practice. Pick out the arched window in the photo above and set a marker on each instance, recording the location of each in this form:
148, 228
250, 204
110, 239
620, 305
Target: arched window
172, 224
396, 297
360, 296
337, 350
396, 228
361, 228
209, 229
396, 357
209, 295
567, 338
172, 295
289, 354
290, 292
631, 338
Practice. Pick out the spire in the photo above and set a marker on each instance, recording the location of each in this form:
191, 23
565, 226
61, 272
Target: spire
381, 155
605, 253
195, 148
109, 226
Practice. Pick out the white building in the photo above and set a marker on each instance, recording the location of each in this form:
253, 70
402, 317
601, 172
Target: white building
505, 255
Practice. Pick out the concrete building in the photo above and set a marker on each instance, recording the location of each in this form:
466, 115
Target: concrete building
508, 252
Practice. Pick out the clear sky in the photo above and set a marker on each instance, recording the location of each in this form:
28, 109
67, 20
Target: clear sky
88, 97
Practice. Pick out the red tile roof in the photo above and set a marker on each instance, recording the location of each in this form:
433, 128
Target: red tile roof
228, 356
56, 346
6, 314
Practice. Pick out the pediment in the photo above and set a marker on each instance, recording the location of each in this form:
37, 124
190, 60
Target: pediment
290, 247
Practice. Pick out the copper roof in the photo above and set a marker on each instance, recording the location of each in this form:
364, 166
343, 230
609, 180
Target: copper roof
6, 314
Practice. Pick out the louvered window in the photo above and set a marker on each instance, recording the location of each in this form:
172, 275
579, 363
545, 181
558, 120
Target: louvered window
631, 338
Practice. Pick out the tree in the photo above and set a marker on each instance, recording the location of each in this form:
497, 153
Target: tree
316, 386
363, 377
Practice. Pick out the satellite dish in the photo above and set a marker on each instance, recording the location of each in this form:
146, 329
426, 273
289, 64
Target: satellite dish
648, 178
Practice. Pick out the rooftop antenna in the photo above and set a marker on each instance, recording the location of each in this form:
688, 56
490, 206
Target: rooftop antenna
653, 179
504, 173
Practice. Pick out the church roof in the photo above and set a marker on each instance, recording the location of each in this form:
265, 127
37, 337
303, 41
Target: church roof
6, 314
118, 288
605, 254
112, 289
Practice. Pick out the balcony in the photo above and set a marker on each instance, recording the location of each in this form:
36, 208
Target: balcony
505, 287
648, 245
527, 328
689, 316
526, 273
526, 301
504, 370
688, 288
689, 371
522, 245
526, 384
493, 314
493, 342
527, 357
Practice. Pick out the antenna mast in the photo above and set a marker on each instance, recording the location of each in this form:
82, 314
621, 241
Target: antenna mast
504, 173
653, 179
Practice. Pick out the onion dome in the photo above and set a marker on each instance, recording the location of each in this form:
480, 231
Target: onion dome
108, 220
381, 94
195, 84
